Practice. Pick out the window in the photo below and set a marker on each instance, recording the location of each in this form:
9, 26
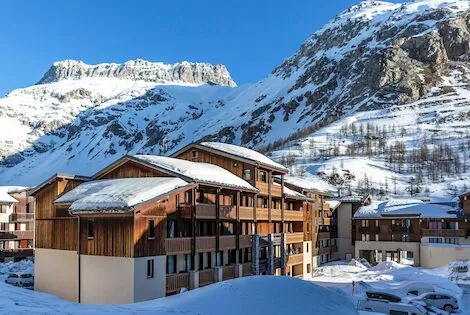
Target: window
90, 229
394, 312
151, 229
194, 154
187, 262
308, 248
376, 237
309, 268
170, 264
247, 174
209, 260
150, 268
201, 261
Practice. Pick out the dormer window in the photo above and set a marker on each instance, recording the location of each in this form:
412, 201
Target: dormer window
194, 154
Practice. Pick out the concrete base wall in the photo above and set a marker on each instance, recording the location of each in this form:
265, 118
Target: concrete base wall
106, 280
389, 246
149, 288
56, 272
436, 256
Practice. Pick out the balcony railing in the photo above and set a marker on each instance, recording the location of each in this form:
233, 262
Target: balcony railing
262, 214
228, 242
369, 230
294, 237
400, 228
295, 259
443, 233
206, 277
246, 241
22, 216
276, 215
247, 269
180, 245
276, 190
174, 283
28, 235
19, 252
228, 212
293, 215
228, 272
246, 213
205, 243
263, 187
324, 235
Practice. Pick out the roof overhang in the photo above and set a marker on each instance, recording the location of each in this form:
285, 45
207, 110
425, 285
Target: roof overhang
57, 176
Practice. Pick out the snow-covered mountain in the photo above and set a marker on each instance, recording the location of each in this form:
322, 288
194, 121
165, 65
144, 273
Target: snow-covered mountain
374, 56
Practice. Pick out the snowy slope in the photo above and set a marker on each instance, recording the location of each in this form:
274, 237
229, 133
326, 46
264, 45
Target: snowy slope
249, 295
372, 57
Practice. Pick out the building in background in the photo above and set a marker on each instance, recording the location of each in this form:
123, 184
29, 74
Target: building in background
16, 224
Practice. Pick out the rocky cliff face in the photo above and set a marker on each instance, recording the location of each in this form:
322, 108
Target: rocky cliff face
184, 72
374, 55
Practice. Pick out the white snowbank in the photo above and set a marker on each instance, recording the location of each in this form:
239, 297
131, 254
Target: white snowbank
199, 172
292, 193
119, 194
310, 183
250, 295
244, 153
401, 207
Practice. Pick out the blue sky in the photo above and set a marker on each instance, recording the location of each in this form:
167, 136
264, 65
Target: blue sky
249, 37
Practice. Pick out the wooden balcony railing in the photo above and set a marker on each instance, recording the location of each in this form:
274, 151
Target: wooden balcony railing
19, 252
295, 259
246, 213
262, 187
229, 212
25, 235
276, 190
180, 245
324, 251
443, 233
262, 214
399, 228
23, 217
369, 229
205, 244
324, 235
246, 241
293, 215
175, 282
228, 272
247, 269
276, 215
206, 277
228, 242
294, 237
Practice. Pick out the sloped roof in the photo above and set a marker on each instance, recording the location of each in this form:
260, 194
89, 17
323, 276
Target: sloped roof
244, 153
404, 207
292, 193
196, 171
310, 183
5, 192
118, 195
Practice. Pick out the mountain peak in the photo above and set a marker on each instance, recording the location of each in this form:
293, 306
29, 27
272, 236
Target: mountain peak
186, 73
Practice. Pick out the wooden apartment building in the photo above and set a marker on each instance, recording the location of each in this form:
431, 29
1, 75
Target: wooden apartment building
156, 225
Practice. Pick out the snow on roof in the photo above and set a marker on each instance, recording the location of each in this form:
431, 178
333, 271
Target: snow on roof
199, 172
333, 203
292, 193
5, 192
310, 183
404, 207
118, 195
244, 153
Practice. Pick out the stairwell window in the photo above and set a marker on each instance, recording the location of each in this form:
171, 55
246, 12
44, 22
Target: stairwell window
90, 229
150, 268
151, 229
194, 155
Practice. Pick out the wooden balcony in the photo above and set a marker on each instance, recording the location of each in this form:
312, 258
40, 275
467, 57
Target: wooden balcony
18, 253
295, 259
443, 233
324, 251
205, 243
294, 237
25, 235
369, 230
324, 235
262, 187
399, 228
293, 215
247, 269
205, 211
174, 283
246, 213
246, 241
334, 249
228, 242
276, 215
228, 272
229, 212
262, 214
206, 277
22, 217
276, 190
175, 246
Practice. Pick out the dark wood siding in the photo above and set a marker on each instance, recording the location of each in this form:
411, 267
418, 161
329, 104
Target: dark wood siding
131, 169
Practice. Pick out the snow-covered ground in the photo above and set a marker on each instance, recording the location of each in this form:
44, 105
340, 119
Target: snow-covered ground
386, 277
249, 295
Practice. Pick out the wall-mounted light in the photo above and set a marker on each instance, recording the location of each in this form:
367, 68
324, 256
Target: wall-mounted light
235, 164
